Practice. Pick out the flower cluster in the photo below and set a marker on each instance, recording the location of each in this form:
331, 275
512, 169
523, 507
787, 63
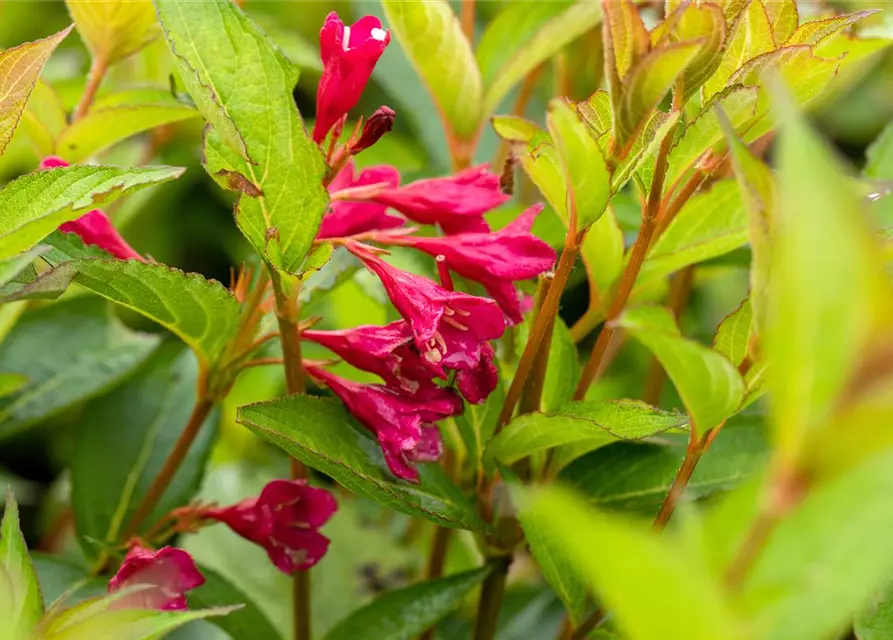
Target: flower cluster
444, 335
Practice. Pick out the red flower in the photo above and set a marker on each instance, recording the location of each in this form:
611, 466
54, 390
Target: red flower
94, 227
386, 351
494, 259
378, 124
347, 218
402, 424
284, 519
349, 55
457, 203
451, 329
162, 578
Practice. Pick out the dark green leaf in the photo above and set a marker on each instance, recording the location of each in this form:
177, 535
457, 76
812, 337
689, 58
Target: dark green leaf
876, 622
319, 433
66, 366
248, 623
404, 614
59, 577
733, 335
113, 468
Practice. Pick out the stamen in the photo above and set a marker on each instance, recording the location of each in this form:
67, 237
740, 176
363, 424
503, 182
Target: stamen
345, 43
378, 34
440, 341
462, 312
455, 323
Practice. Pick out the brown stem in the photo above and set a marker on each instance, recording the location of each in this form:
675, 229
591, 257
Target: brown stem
588, 625
650, 221
692, 456
532, 393
492, 592
467, 20
94, 79
680, 292
287, 313
436, 562
537, 334
156, 490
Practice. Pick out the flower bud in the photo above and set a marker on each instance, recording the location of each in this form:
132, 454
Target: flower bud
378, 124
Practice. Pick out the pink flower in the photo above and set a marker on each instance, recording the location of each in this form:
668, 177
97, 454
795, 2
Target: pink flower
94, 227
457, 203
402, 424
494, 259
386, 351
347, 218
284, 519
159, 578
349, 55
451, 329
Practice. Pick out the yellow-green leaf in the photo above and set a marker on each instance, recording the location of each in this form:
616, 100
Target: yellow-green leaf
817, 30
784, 18
751, 37
733, 335
629, 37
588, 178
23, 605
114, 29
698, 21
44, 118
20, 68
432, 37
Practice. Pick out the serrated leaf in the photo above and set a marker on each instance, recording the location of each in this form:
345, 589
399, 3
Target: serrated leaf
655, 587
201, 312
711, 224
645, 147
20, 68
649, 82
710, 387
733, 335
432, 37
550, 26
113, 468
33, 205
246, 623
704, 133
348, 454
44, 118
116, 118
586, 172
818, 215
595, 423
23, 606
114, 29
692, 22
814, 32
66, 367
258, 135
752, 36
784, 18
405, 613
629, 41
598, 113
12, 267
806, 76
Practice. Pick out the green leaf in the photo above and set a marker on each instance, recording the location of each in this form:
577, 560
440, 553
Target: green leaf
61, 578
814, 32
710, 224
478, 422
645, 148
692, 22
33, 205
818, 215
20, 69
649, 82
248, 623
784, 18
563, 370
629, 41
636, 477
587, 175
655, 587
44, 118
879, 156
22, 613
733, 335
752, 36
320, 434
12, 267
524, 36
11, 383
432, 37
704, 134
595, 424
114, 29
876, 622
117, 117
66, 367
202, 313
825, 560
602, 254
406, 613
258, 144
113, 468
710, 387
95, 619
